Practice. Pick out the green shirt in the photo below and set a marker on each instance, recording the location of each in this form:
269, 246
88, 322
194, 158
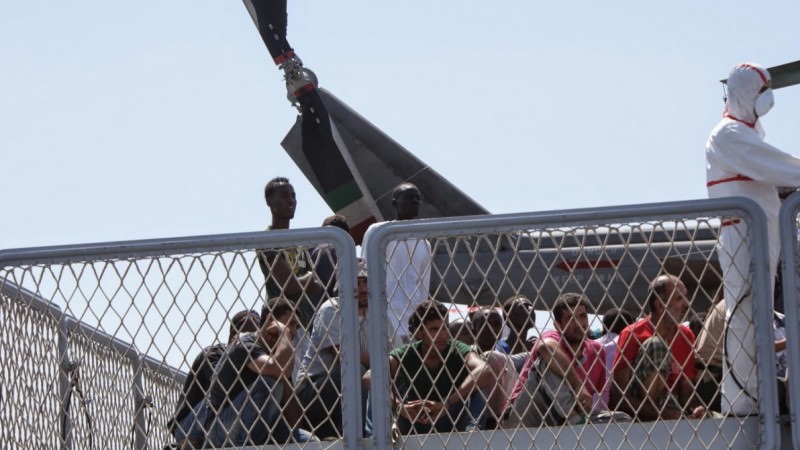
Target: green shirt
414, 381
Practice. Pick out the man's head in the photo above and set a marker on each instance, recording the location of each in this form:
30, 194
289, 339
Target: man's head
280, 197
616, 319
429, 324
280, 309
519, 313
406, 199
749, 93
461, 330
571, 314
243, 322
336, 221
487, 326
667, 299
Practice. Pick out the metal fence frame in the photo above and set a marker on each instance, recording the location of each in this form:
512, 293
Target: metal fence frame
146, 370
375, 251
791, 302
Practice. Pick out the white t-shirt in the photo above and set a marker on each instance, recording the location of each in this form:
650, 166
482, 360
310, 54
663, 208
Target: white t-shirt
408, 279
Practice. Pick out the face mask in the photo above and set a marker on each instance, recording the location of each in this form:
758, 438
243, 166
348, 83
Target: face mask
764, 102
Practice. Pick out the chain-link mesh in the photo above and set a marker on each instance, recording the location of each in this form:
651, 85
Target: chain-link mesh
664, 270
98, 343
789, 230
102, 346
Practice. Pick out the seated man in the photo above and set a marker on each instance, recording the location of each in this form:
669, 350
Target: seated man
487, 327
654, 369
251, 384
614, 321
708, 350
564, 375
319, 384
436, 380
186, 426
520, 317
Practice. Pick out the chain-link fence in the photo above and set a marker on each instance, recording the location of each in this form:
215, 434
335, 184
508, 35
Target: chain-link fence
660, 262
789, 216
98, 340
138, 344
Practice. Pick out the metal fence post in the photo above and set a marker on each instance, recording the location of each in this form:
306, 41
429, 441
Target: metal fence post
64, 364
791, 302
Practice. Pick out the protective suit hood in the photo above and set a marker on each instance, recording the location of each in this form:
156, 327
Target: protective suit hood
744, 82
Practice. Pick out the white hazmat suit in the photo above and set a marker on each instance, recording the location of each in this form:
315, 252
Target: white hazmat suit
740, 163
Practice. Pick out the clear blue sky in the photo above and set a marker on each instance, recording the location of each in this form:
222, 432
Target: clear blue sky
132, 120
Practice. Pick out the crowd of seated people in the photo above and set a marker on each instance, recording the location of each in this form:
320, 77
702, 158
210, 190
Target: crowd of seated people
279, 381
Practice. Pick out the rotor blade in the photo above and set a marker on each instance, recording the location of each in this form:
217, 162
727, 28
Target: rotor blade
785, 75
782, 76
270, 19
376, 162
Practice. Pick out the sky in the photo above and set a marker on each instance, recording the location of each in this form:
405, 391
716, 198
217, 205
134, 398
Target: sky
152, 119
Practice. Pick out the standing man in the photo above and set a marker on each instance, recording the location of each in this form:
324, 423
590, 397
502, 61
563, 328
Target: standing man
287, 271
324, 258
408, 266
740, 163
655, 368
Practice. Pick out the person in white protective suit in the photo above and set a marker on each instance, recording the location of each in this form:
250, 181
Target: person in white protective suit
740, 163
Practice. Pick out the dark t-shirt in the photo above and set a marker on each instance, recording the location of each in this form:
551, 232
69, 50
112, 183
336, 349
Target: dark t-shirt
232, 374
198, 381
414, 381
298, 261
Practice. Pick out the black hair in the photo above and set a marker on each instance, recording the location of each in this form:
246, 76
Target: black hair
272, 184
427, 312
275, 307
241, 320
336, 220
402, 187
568, 302
616, 319
509, 303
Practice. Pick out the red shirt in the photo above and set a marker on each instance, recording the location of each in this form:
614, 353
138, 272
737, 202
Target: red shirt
681, 347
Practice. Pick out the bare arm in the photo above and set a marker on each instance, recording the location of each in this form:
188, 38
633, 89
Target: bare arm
279, 361
644, 407
282, 273
560, 364
479, 376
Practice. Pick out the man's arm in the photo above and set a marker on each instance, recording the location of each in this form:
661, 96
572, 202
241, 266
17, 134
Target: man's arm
557, 362
643, 407
480, 376
283, 275
278, 362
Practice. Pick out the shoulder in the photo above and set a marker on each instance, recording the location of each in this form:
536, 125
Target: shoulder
399, 352
593, 346
635, 331
329, 304
728, 132
686, 331
460, 347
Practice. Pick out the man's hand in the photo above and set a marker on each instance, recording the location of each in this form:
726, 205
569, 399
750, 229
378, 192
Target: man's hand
698, 412
584, 401
275, 330
414, 411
